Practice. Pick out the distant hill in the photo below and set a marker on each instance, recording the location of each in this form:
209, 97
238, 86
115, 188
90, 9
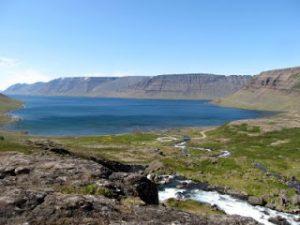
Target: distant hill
270, 90
177, 86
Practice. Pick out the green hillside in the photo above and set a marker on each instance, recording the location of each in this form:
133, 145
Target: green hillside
7, 104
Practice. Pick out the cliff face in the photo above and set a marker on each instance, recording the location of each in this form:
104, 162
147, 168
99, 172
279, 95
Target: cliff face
271, 90
183, 86
193, 86
281, 80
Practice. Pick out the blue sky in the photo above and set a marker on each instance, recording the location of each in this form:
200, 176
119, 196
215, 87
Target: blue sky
41, 40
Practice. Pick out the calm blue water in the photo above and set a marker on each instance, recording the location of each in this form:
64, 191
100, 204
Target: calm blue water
86, 116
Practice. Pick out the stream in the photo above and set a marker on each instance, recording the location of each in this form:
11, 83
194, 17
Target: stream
172, 187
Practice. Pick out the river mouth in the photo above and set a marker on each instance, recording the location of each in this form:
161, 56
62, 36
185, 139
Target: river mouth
182, 189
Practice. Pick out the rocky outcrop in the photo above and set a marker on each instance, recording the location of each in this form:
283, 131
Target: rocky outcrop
59, 209
281, 80
50, 188
115, 166
178, 86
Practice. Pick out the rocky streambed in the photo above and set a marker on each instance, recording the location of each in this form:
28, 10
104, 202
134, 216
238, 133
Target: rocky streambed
181, 189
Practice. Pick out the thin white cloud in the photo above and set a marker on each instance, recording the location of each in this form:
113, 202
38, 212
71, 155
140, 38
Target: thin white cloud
12, 71
27, 76
7, 62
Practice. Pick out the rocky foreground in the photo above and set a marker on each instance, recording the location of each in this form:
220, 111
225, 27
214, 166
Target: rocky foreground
58, 188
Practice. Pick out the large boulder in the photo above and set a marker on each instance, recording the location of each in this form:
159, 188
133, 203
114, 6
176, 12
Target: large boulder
138, 185
253, 200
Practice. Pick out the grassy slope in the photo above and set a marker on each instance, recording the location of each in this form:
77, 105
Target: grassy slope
278, 151
271, 100
10, 141
7, 104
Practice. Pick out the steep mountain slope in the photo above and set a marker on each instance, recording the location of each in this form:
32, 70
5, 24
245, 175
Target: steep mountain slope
181, 86
270, 90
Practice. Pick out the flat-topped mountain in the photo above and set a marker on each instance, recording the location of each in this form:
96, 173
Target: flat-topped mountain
272, 90
177, 86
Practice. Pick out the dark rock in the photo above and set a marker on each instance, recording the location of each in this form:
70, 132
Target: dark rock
60, 151
142, 187
7, 170
256, 200
279, 220
116, 166
22, 170
161, 154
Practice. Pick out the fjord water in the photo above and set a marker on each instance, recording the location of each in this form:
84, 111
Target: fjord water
98, 116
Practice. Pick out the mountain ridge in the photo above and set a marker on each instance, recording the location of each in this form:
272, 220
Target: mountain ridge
171, 86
